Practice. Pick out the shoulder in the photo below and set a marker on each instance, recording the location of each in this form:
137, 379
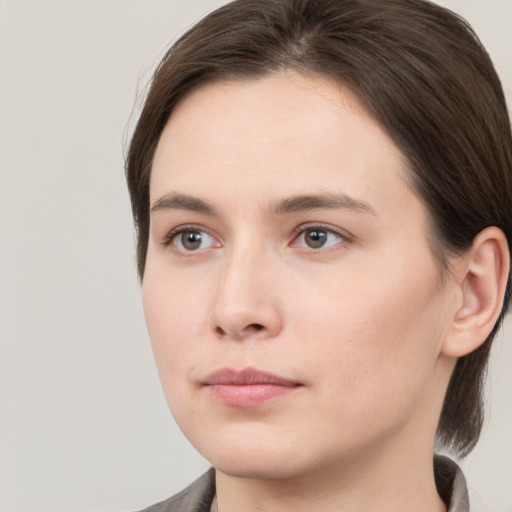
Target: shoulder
451, 484
197, 497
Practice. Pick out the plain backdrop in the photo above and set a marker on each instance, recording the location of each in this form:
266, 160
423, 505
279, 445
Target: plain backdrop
83, 422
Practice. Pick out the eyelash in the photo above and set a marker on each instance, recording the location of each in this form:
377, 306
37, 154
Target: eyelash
172, 235
302, 229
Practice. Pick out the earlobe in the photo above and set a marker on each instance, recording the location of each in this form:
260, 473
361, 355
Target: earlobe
482, 276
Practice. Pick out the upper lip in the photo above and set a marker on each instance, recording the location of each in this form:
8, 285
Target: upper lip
245, 377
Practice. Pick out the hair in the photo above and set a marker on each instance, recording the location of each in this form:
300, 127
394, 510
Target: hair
420, 71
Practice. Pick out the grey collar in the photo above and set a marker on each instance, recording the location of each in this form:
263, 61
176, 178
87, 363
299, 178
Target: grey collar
199, 496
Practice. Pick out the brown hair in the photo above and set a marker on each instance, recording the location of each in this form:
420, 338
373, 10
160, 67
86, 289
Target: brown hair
420, 71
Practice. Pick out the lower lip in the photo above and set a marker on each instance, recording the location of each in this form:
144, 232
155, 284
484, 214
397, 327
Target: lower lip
249, 395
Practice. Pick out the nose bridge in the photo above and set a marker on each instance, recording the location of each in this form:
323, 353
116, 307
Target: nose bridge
245, 304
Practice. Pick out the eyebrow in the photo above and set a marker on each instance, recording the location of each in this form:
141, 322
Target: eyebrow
183, 202
282, 207
321, 201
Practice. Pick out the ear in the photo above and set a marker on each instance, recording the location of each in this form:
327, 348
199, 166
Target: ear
482, 275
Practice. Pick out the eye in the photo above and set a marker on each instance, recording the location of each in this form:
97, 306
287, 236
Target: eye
318, 238
189, 240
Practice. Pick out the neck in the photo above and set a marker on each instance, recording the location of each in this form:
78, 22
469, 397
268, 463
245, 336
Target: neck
403, 483
394, 474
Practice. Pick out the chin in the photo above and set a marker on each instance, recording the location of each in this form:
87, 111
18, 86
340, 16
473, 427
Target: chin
260, 467
249, 455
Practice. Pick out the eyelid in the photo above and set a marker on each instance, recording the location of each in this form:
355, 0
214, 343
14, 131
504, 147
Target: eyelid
327, 227
169, 237
299, 230
167, 240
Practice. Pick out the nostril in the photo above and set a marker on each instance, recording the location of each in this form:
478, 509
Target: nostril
235, 333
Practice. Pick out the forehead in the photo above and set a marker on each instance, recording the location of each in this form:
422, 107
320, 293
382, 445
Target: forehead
278, 136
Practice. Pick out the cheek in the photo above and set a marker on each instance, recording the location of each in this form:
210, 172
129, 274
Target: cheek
177, 321
379, 344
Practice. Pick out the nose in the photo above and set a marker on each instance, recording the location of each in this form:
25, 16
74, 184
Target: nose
246, 304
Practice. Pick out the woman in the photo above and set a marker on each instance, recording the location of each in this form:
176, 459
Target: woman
322, 193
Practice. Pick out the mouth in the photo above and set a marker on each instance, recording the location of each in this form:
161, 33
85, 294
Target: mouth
248, 387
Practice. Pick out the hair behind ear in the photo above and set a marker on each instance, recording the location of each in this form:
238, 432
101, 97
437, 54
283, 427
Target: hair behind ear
483, 276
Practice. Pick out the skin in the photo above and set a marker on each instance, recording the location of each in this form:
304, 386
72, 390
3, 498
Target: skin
361, 323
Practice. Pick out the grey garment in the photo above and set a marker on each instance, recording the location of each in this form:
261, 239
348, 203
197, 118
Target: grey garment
198, 496
451, 484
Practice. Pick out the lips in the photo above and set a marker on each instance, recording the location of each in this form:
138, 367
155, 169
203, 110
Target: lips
248, 387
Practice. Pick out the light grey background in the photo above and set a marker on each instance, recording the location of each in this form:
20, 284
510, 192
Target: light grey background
83, 423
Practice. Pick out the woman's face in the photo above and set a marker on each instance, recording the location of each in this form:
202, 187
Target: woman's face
294, 306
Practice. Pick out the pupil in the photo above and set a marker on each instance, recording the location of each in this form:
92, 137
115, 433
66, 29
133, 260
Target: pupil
316, 238
191, 240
